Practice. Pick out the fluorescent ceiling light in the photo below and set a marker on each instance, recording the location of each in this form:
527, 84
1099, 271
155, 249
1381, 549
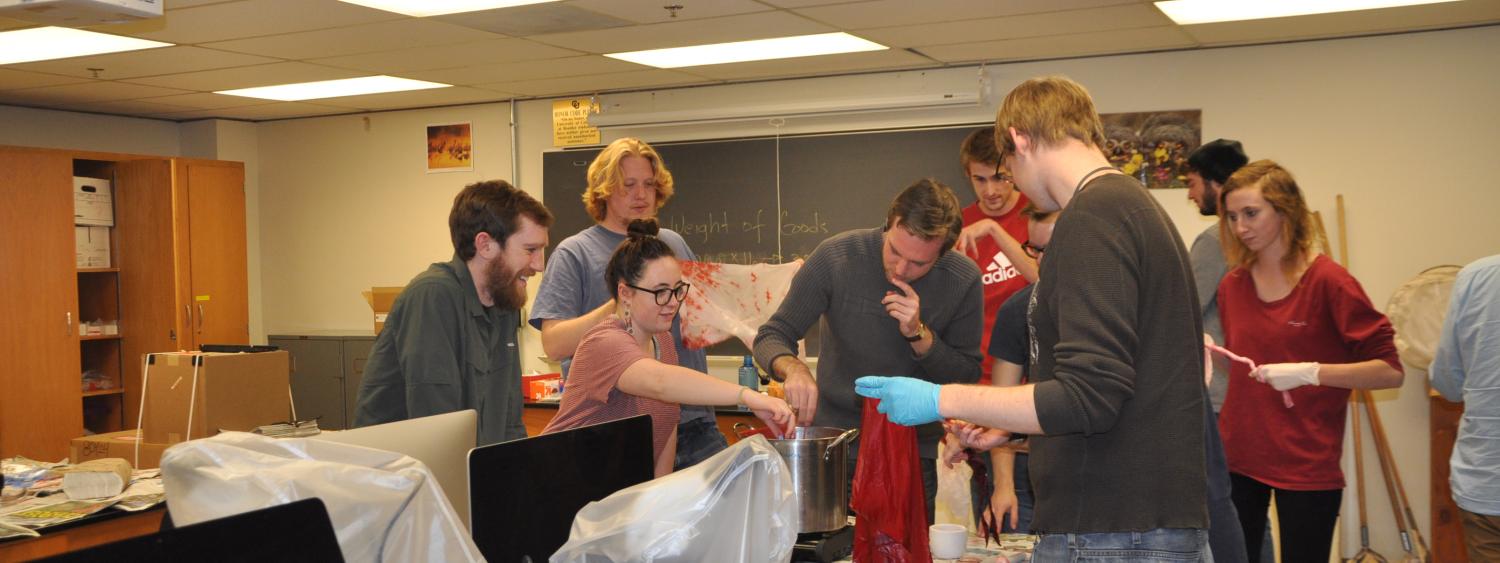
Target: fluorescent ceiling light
757, 50
1188, 12
424, 8
46, 43
334, 88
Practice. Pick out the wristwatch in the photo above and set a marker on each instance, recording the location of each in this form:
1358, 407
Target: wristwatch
921, 332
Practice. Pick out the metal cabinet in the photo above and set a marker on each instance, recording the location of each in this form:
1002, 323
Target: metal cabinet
325, 374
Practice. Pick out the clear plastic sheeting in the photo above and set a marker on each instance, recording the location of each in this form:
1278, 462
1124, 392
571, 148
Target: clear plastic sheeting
737, 506
384, 506
731, 300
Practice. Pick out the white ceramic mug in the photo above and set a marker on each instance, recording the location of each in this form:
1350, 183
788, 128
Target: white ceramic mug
947, 540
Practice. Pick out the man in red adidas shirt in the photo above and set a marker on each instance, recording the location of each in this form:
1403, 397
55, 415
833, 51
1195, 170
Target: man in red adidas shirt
994, 230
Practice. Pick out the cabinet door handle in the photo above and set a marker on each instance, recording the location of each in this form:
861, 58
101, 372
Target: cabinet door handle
187, 312
200, 317
68, 324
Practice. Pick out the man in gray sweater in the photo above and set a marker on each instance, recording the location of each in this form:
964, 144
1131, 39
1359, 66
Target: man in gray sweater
1116, 404
893, 300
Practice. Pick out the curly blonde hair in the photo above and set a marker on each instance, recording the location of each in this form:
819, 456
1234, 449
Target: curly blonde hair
604, 175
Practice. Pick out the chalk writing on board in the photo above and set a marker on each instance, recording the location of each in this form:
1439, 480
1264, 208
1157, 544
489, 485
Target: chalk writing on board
810, 224
712, 224
756, 226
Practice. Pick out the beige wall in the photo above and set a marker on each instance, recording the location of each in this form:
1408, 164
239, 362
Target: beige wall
1401, 125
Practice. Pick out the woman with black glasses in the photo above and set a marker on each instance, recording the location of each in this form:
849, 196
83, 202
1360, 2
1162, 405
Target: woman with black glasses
627, 366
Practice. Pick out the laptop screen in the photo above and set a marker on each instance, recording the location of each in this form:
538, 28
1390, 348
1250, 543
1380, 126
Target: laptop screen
295, 532
523, 494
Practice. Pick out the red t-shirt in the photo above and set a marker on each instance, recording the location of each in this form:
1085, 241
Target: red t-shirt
590, 395
1327, 318
999, 277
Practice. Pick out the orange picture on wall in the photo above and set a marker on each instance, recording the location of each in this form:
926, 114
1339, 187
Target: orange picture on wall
450, 148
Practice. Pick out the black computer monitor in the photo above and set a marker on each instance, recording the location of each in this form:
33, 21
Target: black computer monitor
297, 532
523, 494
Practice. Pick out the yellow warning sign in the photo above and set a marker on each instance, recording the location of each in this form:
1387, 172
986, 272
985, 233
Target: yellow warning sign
570, 123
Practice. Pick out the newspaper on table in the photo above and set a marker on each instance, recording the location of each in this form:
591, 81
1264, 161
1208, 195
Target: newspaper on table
53, 508
44, 515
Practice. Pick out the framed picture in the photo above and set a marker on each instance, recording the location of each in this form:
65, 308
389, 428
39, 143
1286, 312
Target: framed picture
1153, 146
450, 148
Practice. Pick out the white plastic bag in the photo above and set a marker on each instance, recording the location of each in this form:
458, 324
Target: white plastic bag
737, 506
954, 505
731, 300
384, 506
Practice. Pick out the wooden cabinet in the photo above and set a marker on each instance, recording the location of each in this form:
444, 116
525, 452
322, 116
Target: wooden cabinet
177, 279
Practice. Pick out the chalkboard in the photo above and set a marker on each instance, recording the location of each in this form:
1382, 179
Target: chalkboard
773, 199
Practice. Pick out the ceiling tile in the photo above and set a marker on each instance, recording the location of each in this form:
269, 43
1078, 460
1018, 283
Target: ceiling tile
1364, 21
884, 13
134, 107
807, 66
448, 56
15, 79
595, 83
1015, 27
249, 18
805, 3
278, 110
535, 19
180, 4
652, 11
417, 98
367, 38
148, 62
695, 32
89, 91
248, 76
1105, 42
525, 70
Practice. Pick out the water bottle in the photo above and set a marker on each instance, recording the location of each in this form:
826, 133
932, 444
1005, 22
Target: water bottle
748, 376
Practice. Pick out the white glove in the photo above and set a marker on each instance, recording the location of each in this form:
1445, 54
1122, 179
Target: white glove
1287, 376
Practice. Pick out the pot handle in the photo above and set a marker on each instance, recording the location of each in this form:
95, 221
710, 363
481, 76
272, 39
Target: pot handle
741, 430
848, 435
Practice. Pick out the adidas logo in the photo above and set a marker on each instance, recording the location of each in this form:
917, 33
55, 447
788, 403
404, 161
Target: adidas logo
999, 270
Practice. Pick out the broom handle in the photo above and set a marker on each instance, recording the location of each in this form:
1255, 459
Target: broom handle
1385, 448
1387, 467
1343, 236
1359, 474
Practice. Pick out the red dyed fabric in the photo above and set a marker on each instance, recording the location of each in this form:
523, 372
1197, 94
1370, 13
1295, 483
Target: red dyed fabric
891, 525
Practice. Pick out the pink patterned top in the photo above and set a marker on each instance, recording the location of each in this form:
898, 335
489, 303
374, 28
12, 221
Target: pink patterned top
591, 395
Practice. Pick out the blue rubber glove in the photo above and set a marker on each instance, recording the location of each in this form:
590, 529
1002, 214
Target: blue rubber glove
904, 400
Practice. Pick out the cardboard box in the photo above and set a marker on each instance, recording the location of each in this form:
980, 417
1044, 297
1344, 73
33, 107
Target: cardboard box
93, 202
380, 300
232, 392
92, 245
116, 444
543, 386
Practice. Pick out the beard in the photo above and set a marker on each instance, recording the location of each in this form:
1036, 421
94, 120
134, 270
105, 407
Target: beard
502, 286
1209, 207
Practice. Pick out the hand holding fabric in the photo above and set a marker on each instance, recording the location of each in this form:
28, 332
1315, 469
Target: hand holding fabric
903, 400
1287, 376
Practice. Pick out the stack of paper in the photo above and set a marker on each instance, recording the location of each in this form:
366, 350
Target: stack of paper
96, 478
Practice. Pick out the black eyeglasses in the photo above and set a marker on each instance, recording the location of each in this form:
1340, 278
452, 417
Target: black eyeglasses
665, 294
1033, 250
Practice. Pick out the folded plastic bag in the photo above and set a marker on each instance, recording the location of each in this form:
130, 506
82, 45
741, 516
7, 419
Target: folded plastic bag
384, 506
731, 300
737, 506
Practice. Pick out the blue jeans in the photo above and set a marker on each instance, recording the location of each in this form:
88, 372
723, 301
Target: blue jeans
1161, 544
697, 439
1023, 496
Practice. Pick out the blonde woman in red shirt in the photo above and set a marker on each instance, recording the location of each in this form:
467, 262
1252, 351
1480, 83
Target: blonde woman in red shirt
627, 365
1314, 334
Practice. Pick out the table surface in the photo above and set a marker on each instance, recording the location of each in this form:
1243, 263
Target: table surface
105, 526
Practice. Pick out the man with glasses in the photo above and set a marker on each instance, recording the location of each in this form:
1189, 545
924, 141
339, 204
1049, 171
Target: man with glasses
993, 227
627, 181
893, 300
1116, 405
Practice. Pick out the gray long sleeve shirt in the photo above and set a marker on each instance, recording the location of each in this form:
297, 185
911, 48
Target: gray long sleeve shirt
442, 351
842, 283
1208, 270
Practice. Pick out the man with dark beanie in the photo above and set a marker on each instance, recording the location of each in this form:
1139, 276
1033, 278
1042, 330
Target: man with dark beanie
1208, 167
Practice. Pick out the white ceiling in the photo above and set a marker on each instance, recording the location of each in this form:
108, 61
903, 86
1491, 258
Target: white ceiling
554, 50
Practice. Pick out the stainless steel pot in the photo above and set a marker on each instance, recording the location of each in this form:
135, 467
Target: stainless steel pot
818, 459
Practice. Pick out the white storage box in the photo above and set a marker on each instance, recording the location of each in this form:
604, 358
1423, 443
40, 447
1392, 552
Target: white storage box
93, 202
93, 246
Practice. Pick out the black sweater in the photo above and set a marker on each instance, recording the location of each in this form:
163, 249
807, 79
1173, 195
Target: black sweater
1118, 370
